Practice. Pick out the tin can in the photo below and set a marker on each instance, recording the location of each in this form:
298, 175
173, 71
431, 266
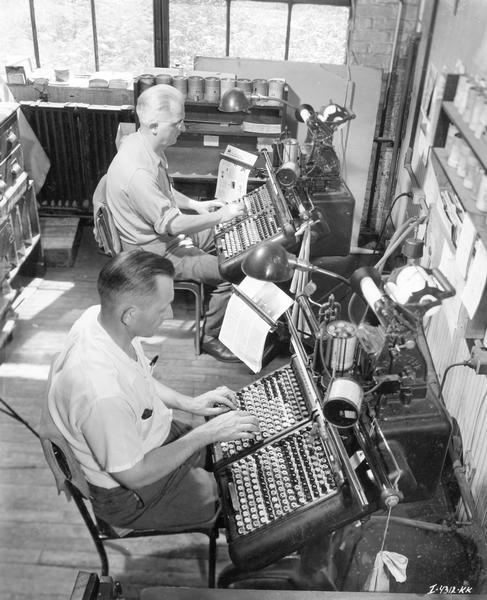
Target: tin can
145, 81
245, 85
226, 83
180, 82
164, 78
196, 88
341, 343
212, 89
276, 88
260, 86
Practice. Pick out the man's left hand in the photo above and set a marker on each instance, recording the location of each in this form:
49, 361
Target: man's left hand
214, 402
208, 205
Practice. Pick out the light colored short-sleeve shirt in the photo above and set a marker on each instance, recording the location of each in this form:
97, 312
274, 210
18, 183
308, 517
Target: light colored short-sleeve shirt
104, 403
139, 193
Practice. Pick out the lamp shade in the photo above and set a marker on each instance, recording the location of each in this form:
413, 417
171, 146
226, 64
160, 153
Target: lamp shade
268, 262
234, 100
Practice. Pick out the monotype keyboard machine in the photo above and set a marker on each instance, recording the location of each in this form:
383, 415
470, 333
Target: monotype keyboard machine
268, 218
340, 437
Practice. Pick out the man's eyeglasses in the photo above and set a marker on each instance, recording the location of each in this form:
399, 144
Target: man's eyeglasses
177, 124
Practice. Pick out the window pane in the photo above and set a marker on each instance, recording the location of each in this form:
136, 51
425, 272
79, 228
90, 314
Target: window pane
318, 33
125, 35
197, 28
65, 34
15, 32
258, 29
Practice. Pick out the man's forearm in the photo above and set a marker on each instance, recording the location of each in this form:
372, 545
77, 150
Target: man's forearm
172, 398
193, 223
163, 460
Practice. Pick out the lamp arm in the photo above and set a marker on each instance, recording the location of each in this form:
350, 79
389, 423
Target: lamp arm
261, 97
298, 264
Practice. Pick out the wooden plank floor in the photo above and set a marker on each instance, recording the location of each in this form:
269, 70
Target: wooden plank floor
43, 541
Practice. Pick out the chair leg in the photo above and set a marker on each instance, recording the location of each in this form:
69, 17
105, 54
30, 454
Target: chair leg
100, 548
212, 557
197, 323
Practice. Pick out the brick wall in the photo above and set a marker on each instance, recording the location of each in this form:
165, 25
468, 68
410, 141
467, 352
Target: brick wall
371, 45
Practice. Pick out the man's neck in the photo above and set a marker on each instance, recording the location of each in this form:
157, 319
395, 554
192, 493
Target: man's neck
118, 333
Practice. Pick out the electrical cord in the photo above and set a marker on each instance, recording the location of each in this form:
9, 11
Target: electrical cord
465, 363
389, 216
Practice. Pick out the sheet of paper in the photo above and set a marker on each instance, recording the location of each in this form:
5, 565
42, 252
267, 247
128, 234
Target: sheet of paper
465, 245
243, 330
233, 174
477, 276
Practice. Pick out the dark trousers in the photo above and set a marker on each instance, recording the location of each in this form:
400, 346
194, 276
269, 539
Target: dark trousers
185, 498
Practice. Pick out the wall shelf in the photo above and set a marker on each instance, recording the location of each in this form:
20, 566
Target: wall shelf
478, 147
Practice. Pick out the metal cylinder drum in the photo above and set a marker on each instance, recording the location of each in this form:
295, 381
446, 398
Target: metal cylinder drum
341, 343
276, 88
145, 81
196, 88
212, 89
245, 85
180, 82
290, 151
260, 86
226, 83
164, 78
343, 402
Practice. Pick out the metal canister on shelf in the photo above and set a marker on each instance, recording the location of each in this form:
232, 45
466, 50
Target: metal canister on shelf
180, 82
145, 81
164, 78
472, 175
450, 138
276, 88
196, 88
454, 154
464, 153
245, 85
212, 89
226, 83
481, 129
260, 86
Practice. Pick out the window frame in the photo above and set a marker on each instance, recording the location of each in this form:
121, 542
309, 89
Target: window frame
161, 25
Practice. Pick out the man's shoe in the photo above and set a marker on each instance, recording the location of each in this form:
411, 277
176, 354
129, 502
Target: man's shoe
215, 348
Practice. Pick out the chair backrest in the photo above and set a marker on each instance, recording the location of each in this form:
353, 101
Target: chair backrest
58, 453
104, 229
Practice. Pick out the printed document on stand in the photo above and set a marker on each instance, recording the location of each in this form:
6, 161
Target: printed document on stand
252, 312
233, 174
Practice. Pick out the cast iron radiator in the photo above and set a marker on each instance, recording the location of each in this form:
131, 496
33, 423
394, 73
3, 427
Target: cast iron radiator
79, 140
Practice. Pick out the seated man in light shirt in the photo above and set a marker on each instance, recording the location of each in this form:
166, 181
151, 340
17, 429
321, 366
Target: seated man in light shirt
144, 468
147, 210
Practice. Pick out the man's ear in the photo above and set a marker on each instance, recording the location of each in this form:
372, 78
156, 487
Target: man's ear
127, 315
154, 128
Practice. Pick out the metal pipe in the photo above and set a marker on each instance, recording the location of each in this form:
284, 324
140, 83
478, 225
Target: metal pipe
95, 34
33, 25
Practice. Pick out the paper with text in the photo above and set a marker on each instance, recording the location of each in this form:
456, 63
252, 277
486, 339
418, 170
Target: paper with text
476, 279
233, 174
243, 331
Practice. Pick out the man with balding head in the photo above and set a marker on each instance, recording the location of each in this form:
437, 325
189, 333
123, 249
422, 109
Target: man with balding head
147, 210
145, 469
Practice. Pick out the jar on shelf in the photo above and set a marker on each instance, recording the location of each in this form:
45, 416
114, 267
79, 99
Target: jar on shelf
478, 106
454, 154
451, 136
481, 200
463, 155
471, 180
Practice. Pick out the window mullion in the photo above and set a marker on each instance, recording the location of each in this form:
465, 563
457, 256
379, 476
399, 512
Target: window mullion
33, 25
95, 35
227, 30
288, 29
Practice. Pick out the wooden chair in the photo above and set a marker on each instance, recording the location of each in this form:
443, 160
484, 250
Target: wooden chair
71, 481
107, 236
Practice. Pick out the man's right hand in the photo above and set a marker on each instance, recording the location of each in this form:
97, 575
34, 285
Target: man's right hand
232, 425
231, 211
